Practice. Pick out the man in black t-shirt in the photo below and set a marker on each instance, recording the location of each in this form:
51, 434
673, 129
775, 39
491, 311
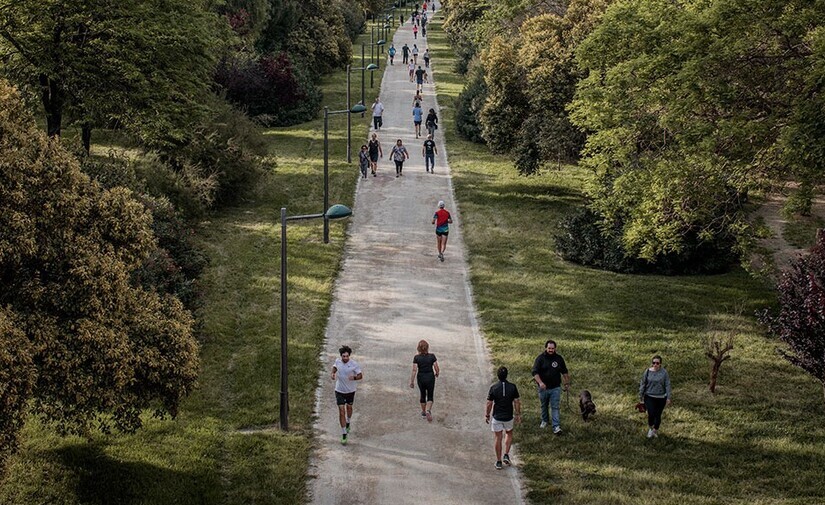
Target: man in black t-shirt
548, 370
429, 151
501, 400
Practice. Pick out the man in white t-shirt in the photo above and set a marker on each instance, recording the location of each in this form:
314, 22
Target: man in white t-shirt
345, 372
377, 114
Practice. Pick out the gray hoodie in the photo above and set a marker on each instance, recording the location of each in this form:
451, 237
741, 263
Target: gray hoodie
658, 384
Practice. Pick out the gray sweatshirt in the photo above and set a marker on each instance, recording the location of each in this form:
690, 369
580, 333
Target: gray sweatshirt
658, 384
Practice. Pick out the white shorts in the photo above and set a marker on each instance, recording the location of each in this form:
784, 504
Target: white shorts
501, 425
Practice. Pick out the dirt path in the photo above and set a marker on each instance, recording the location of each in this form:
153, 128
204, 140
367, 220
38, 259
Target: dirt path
392, 292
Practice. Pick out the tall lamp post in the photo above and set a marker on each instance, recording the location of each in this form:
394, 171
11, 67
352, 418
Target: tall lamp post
356, 109
371, 67
334, 212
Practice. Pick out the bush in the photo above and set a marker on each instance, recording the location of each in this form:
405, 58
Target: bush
582, 239
353, 15
469, 104
269, 88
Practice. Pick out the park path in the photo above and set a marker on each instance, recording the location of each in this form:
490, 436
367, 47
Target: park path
391, 292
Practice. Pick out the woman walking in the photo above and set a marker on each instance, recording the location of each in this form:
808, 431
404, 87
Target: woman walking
399, 154
374, 151
432, 122
654, 391
425, 370
364, 161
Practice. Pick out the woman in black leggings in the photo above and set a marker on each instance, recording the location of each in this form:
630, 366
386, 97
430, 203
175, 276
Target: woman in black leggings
425, 367
655, 392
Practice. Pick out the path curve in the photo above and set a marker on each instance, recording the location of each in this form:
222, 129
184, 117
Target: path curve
392, 291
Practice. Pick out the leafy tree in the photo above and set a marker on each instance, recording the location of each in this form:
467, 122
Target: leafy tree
507, 104
469, 104
140, 63
461, 20
800, 320
98, 347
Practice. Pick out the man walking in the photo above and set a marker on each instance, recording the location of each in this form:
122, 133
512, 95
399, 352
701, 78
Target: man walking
345, 372
501, 400
548, 371
429, 151
377, 113
405, 53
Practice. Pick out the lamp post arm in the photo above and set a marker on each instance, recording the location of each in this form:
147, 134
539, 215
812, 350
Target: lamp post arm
304, 217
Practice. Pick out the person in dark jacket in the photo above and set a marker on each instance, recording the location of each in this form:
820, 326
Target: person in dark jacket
548, 371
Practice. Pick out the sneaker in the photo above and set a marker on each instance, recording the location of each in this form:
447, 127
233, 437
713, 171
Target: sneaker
507, 460
543, 425
499, 466
650, 433
429, 417
396, 176
557, 430
655, 433
373, 174
347, 427
423, 414
344, 439
442, 258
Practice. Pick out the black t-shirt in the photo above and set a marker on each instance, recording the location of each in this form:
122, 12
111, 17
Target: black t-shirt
373, 146
425, 362
503, 394
429, 146
550, 369
419, 74
405, 50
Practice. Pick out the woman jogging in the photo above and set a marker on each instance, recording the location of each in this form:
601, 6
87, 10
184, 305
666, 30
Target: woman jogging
364, 161
399, 154
432, 122
654, 391
425, 370
374, 151
442, 221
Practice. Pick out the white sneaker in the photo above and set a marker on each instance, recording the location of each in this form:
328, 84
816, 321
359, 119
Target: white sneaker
656, 433
651, 433
543, 425
557, 430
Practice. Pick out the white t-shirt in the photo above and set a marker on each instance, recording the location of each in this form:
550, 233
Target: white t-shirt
343, 381
377, 109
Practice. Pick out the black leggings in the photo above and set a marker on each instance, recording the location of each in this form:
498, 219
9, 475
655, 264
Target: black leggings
426, 384
654, 407
399, 165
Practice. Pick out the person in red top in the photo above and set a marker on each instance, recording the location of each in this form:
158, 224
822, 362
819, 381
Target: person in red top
442, 221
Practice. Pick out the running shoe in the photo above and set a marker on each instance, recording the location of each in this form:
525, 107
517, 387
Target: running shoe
507, 460
429, 417
650, 433
344, 439
557, 430
499, 466
347, 427
543, 425
441, 257
423, 414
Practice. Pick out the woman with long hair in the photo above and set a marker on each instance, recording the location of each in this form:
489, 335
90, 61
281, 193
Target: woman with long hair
425, 370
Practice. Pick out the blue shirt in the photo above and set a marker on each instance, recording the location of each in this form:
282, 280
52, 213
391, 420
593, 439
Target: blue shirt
417, 114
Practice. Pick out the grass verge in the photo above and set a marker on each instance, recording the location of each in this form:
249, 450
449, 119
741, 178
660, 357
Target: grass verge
223, 448
759, 440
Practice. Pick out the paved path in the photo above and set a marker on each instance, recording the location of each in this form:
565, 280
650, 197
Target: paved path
392, 292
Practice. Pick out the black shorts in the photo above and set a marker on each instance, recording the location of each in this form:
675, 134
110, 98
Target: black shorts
344, 398
374, 157
442, 233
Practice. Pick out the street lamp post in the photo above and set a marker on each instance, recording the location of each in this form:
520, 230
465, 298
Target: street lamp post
371, 67
334, 212
356, 109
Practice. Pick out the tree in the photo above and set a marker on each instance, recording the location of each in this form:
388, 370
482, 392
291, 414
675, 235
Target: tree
507, 105
800, 320
98, 347
140, 63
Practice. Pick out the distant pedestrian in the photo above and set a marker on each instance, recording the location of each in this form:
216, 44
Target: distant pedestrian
399, 154
423, 30
405, 54
548, 370
364, 160
425, 371
345, 372
504, 404
428, 150
427, 58
411, 68
391, 53
415, 29
442, 221
401, 20
419, 78
424, 7
654, 391
417, 98
374, 152
377, 113
415, 54
432, 6
418, 115
431, 122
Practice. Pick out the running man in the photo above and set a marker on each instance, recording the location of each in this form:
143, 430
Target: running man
442, 221
428, 150
501, 400
345, 372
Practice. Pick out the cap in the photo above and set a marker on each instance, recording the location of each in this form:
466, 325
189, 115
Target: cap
441, 204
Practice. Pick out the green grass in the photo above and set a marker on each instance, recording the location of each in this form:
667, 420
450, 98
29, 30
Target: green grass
800, 231
207, 454
759, 440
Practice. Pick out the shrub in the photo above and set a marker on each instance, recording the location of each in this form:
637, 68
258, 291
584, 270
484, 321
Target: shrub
469, 104
583, 239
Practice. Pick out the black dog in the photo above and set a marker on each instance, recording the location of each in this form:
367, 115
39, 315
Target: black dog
586, 404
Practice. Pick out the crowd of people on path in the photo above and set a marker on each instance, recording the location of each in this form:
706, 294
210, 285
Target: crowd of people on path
503, 407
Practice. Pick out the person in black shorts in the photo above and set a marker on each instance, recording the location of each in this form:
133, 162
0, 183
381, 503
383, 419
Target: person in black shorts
345, 372
425, 369
442, 221
375, 151
502, 400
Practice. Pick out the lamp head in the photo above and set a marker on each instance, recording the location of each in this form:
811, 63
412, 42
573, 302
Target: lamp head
338, 211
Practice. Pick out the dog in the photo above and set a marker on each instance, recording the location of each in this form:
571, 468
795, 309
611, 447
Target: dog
586, 405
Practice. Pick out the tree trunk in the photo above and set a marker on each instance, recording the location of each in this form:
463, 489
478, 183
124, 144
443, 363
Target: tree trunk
53, 97
86, 136
714, 373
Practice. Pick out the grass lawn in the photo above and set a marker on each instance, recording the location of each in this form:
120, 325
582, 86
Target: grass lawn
224, 447
759, 440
